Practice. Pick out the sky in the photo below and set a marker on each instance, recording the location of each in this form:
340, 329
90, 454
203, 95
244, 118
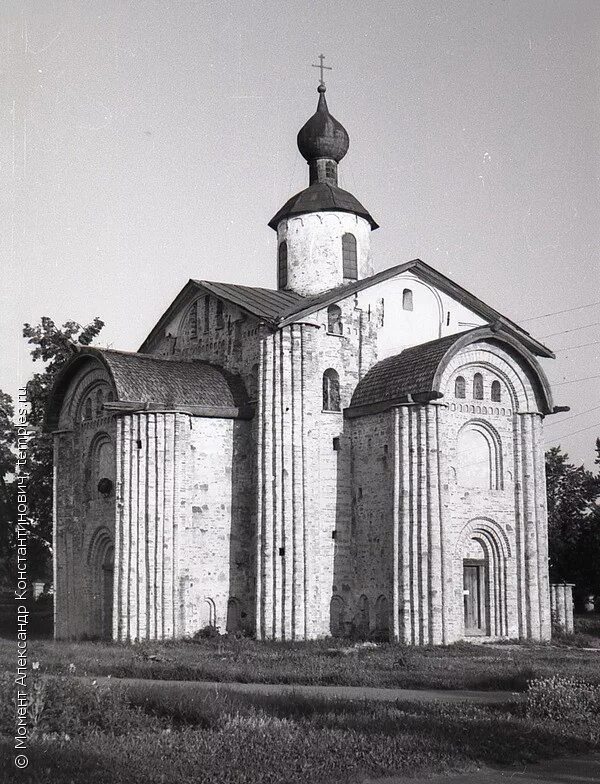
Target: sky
143, 143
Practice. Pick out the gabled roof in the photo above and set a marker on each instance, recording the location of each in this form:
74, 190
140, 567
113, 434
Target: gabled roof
321, 197
415, 374
280, 308
147, 381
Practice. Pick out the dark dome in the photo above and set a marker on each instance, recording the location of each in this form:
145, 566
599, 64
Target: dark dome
323, 136
321, 197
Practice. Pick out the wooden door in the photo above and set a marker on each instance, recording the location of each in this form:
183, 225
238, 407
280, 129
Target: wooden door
474, 598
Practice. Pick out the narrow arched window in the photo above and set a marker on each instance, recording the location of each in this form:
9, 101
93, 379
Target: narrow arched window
220, 320
478, 386
282, 265
331, 390
460, 389
334, 320
193, 321
88, 409
407, 299
349, 257
496, 392
99, 402
206, 312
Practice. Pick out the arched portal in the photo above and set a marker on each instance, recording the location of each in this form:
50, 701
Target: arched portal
483, 555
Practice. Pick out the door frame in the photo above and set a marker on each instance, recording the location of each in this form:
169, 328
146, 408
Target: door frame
483, 598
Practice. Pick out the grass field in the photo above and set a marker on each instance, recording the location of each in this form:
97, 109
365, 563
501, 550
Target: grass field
461, 666
85, 732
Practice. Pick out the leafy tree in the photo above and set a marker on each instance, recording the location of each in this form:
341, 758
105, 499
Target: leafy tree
573, 523
53, 346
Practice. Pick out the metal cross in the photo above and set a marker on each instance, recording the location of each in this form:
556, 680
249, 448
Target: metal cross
322, 68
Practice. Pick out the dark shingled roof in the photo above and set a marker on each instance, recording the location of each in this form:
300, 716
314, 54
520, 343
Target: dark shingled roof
415, 374
264, 303
409, 373
321, 197
148, 379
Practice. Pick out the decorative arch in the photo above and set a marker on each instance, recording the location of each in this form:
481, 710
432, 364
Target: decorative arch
234, 616
337, 616
382, 614
478, 458
99, 466
362, 619
497, 338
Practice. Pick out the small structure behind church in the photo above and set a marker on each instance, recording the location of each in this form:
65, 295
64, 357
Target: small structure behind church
350, 453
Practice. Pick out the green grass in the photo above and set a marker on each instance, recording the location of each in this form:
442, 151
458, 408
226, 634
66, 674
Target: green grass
130, 736
460, 666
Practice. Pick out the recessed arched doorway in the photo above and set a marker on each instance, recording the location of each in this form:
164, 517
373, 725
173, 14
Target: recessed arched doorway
101, 560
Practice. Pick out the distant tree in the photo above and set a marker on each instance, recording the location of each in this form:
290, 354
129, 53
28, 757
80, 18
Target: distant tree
53, 346
573, 523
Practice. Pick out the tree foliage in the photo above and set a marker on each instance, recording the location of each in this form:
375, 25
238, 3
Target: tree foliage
574, 522
53, 346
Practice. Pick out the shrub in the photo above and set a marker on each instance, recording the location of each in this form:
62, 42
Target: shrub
559, 698
207, 632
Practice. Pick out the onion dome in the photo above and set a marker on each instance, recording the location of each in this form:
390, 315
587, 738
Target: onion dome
323, 136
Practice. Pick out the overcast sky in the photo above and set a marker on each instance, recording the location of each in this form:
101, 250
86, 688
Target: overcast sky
144, 143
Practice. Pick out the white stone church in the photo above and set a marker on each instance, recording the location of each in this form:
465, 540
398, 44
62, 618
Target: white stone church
353, 453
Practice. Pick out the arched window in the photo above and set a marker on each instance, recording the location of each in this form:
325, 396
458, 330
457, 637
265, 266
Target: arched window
496, 392
407, 299
193, 321
334, 320
331, 390
99, 402
478, 386
220, 321
460, 389
349, 257
88, 409
206, 312
282, 265
109, 396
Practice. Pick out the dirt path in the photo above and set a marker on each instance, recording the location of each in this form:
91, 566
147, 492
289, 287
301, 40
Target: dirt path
336, 692
568, 770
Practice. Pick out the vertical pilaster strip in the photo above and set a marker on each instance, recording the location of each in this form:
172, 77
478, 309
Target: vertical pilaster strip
124, 500
135, 533
278, 489
396, 554
260, 528
542, 527
57, 607
159, 458
298, 620
143, 562
117, 617
433, 515
447, 581
405, 522
169, 526
522, 614
531, 554
423, 523
151, 521
268, 492
416, 610
288, 522
304, 479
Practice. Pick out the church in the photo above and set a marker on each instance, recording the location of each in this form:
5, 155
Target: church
354, 453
